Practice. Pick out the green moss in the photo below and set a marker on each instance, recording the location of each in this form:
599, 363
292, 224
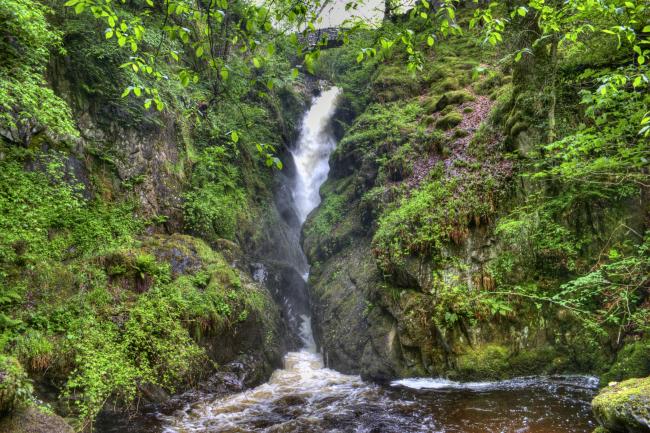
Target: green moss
601, 430
449, 121
459, 133
26, 103
393, 82
534, 361
429, 218
452, 98
624, 406
447, 84
633, 360
486, 362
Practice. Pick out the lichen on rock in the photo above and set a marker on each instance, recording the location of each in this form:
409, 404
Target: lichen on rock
624, 407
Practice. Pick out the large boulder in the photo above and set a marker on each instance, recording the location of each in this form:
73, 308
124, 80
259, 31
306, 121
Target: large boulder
34, 420
624, 407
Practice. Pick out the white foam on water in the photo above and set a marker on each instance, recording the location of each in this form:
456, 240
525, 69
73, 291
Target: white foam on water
424, 383
311, 155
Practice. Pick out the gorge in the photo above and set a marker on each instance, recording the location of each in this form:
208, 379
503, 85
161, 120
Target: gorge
213, 218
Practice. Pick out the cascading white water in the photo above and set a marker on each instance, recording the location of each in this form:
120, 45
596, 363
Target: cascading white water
312, 152
311, 158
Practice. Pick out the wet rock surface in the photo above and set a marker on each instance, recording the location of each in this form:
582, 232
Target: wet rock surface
624, 407
34, 420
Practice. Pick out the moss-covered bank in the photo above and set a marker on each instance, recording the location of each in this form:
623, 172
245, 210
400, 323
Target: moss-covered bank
437, 249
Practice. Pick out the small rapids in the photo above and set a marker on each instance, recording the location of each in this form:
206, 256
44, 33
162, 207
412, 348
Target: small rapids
305, 396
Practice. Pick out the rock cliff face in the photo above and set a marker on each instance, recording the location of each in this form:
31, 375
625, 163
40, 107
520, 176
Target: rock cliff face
416, 270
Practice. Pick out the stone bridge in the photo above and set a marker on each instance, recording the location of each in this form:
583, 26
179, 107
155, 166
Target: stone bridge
312, 38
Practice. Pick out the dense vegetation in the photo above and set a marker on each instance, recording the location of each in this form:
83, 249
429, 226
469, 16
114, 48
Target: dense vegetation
138, 143
500, 187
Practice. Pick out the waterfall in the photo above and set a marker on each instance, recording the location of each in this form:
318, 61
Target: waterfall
311, 154
311, 158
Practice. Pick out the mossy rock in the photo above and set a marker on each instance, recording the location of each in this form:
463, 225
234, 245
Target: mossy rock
486, 362
460, 133
631, 361
449, 99
34, 420
15, 388
449, 121
624, 407
534, 361
449, 83
391, 84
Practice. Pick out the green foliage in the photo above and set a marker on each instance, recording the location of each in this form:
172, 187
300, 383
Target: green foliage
217, 200
46, 217
330, 213
424, 222
27, 106
449, 121
15, 387
605, 159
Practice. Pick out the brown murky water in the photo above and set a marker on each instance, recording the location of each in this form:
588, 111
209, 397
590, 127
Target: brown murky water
305, 397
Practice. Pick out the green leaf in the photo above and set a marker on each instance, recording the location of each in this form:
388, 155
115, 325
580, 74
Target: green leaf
150, 3
294, 73
360, 58
185, 79
256, 62
126, 92
199, 51
108, 33
137, 91
79, 8
234, 136
430, 41
224, 73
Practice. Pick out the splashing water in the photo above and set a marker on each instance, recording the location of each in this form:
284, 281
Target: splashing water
312, 153
306, 397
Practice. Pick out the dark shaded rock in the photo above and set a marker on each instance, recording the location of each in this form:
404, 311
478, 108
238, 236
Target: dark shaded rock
33, 420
